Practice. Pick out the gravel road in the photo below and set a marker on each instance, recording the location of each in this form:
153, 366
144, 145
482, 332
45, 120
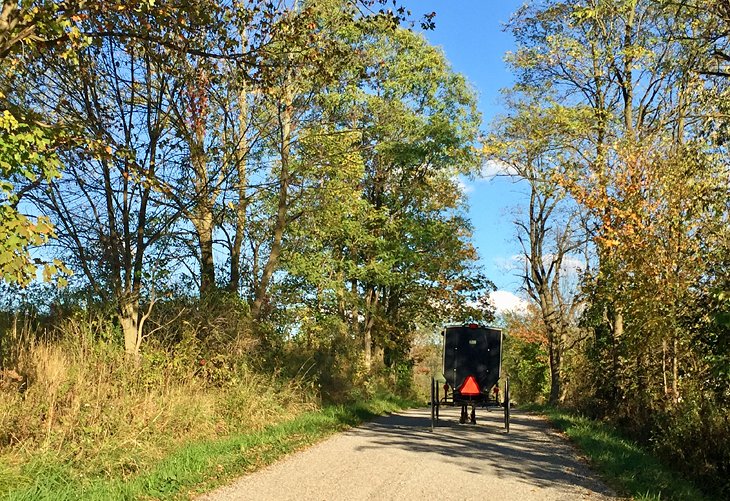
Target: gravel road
397, 457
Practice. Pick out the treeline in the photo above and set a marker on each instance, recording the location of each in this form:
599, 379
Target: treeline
239, 210
297, 162
618, 125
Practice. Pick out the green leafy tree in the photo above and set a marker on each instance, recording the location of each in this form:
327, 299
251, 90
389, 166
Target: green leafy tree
28, 146
391, 249
526, 360
27, 158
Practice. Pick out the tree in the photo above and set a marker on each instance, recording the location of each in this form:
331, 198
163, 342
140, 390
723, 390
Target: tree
27, 147
114, 107
401, 255
29, 32
642, 170
27, 157
534, 143
105, 207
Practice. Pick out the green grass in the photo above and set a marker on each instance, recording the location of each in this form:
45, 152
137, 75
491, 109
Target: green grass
196, 467
624, 465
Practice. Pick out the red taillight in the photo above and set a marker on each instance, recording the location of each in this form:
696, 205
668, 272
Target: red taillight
473, 326
470, 387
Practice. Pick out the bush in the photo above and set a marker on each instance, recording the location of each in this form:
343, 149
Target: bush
696, 436
527, 366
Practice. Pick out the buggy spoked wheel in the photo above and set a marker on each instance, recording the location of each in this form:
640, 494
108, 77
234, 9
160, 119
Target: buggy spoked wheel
473, 415
438, 403
506, 404
434, 403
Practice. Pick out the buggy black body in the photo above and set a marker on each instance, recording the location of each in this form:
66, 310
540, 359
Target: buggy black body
472, 360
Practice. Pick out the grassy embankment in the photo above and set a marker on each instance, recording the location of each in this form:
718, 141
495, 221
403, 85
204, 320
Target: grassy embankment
197, 466
78, 421
625, 466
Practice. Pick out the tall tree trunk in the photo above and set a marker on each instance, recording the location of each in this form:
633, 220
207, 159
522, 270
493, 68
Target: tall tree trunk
202, 216
555, 349
203, 223
555, 374
626, 80
285, 117
371, 300
241, 148
543, 282
205, 194
664, 367
675, 370
354, 312
617, 332
128, 315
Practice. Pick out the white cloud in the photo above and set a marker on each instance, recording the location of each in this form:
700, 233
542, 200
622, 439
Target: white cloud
573, 265
506, 301
492, 168
464, 187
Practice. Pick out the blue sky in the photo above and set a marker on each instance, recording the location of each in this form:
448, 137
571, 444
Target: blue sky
471, 34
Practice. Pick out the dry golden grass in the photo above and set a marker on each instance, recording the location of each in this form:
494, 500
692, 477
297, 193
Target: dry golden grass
77, 401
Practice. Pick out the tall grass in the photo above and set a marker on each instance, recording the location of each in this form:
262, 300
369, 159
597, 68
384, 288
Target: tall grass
79, 420
624, 465
72, 406
200, 465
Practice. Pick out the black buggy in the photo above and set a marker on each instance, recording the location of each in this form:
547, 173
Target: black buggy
472, 360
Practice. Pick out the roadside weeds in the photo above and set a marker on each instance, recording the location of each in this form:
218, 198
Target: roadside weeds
622, 464
203, 465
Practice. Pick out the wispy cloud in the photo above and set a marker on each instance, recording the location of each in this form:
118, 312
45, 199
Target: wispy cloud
516, 262
464, 187
509, 264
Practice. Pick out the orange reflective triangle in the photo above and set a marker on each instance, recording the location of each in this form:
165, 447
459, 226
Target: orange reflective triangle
470, 386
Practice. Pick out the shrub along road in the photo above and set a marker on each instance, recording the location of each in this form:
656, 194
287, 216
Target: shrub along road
398, 457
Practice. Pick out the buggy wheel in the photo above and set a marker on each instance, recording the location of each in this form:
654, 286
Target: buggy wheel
434, 403
438, 403
473, 415
506, 404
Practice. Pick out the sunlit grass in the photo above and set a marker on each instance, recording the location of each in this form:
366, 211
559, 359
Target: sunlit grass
623, 464
195, 467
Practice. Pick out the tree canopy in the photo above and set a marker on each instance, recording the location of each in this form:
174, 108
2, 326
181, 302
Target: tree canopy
303, 157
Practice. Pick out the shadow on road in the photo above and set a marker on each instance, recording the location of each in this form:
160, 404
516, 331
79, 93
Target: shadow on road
531, 451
